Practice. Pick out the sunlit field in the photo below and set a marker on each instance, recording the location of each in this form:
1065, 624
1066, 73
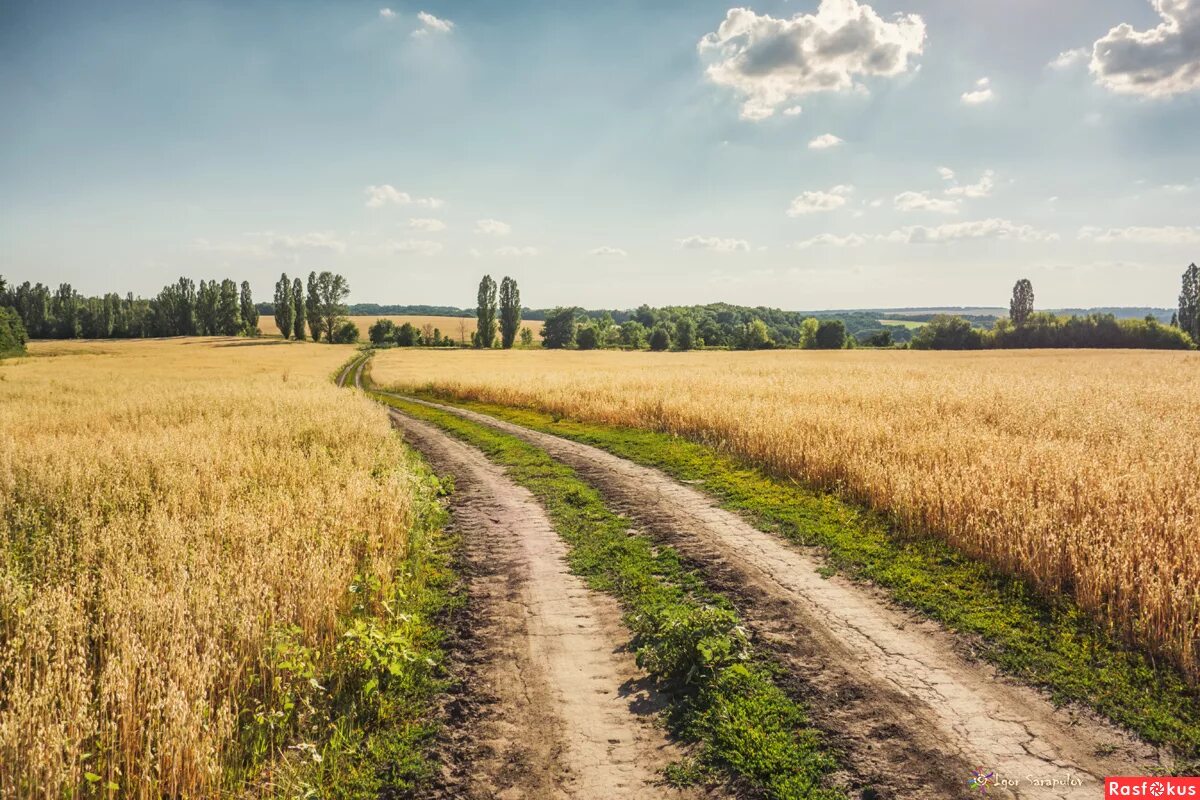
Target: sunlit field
460, 329
172, 514
1077, 470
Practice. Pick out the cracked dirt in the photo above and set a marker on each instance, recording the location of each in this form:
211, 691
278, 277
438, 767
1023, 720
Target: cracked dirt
553, 704
912, 714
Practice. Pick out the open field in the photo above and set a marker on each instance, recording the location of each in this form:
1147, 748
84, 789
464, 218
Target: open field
1073, 470
457, 328
181, 522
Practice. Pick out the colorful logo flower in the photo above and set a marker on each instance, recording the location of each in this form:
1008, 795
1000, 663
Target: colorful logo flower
981, 779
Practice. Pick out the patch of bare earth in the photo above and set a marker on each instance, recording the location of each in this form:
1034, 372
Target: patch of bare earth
552, 703
912, 712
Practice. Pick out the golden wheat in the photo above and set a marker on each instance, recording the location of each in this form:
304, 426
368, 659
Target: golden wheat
165, 506
1077, 470
460, 329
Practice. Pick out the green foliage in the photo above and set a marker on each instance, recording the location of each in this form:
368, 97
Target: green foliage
688, 638
586, 337
526, 337
12, 333
331, 293
879, 338
485, 313
755, 336
685, 334
249, 311
1189, 303
831, 335
948, 333
633, 335
346, 332
510, 312
558, 331
1042, 329
660, 338
407, 335
312, 308
1021, 305
285, 310
298, 310
381, 332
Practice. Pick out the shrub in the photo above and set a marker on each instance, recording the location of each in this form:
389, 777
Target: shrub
12, 333
660, 339
586, 338
383, 331
345, 332
948, 333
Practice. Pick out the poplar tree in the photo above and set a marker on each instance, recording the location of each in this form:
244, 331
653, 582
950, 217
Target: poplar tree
1189, 303
297, 302
510, 312
485, 313
1021, 306
284, 309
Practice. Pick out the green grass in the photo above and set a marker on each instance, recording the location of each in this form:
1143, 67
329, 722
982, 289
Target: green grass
1044, 641
688, 639
357, 723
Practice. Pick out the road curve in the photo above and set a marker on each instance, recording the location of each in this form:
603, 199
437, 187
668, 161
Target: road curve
914, 716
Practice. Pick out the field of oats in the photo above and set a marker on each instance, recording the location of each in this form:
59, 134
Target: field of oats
172, 513
1079, 471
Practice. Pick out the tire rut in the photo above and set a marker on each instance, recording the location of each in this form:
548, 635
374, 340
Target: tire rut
913, 715
557, 707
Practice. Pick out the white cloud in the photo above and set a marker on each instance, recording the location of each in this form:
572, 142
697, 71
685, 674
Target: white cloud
793, 111
824, 142
1177, 188
982, 93
921, 201
431, 24
770, 62
987, 182
387, 13
379, 196
418, 247
814, 202
979, 229
1069, 58
831, 240
321, 241
427, 225
715, 244
517, 251
1168, 234
493, 227
267, 244
1159, 62
609, 252
946, 173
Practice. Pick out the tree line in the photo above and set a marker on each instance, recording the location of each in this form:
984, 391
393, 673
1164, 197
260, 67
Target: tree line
319, 306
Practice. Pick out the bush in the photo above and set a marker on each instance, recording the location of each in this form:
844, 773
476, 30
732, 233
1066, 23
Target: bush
831, 335
12, 333
407, 335
948, 333
660, 339
346, 332
1093, 330
558, 331
382, 332
633, 334
586, 338
690, 645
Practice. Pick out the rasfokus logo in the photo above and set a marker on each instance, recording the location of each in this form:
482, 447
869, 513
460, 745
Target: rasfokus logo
1151, 787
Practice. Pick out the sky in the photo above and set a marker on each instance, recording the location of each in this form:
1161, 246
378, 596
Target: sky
805, 154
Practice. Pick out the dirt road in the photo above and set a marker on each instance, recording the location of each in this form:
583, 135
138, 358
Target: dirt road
555, 707
914, 716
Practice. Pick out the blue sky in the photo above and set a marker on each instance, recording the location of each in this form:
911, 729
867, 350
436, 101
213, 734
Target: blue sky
608, 154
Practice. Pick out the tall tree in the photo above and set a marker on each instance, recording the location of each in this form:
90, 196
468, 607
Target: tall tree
185, 307
485, 313
229, 309
1021, 305
510, 312
312, 305
332, 291
64, 307
285, 311
297, 300
249, 311
558, 331
1189, 303
207, 302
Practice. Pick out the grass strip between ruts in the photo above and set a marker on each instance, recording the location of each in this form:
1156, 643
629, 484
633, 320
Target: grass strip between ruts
688, 639
1045, 642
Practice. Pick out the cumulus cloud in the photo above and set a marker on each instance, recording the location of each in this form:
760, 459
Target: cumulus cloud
982, 93
387, 13
493, 227
1069, 58
431, 24
1168, 234
427, 225
815, 202
608, 252
987, 182
922, 201
831, 240
379, 196
979, 229
769, 62
1159, 62
715, 244
418, 247
510, 251
824, 142
793, 111
946, 173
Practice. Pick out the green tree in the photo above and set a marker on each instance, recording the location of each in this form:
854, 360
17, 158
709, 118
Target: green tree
1021, 305
332, 291
229, 309
1189, 303
344, 332
64, 308
558, 331
633, 335
485, 313
755, 336
945, 332
510, 312
586, 338
526, 337
284, 310
382, 331
12, 333
298, 310
249, 311
685, 333
808, 333
831, 334
207, 301
312, 308
406, 335
660, 338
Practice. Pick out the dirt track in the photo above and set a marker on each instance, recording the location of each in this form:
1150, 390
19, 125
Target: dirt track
554, 706
913, 715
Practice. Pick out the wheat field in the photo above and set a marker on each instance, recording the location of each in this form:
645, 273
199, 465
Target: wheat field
460, 329
1078, 470
167, 509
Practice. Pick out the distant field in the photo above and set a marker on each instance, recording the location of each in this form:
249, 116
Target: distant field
1075, 470
457, 328
899, 323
